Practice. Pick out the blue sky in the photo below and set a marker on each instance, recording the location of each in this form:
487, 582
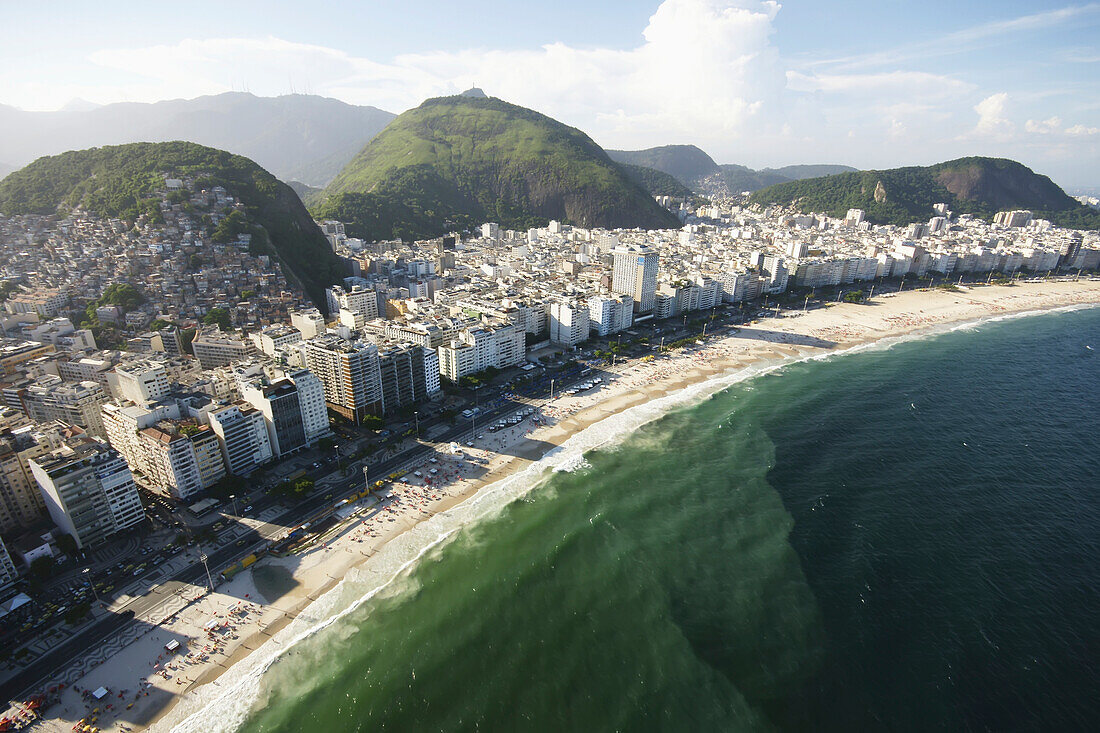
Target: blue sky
870, 84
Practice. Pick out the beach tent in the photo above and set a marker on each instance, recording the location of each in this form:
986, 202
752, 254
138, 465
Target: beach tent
100, 693
211, 624
172, 646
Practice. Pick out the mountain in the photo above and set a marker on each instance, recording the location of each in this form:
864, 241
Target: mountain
456, 161
798, 172
657, 183
476, 92
5, 169
980, 186
120, 181
739, 178
295, 136
685, 163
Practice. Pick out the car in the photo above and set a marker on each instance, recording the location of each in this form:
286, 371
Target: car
248, 508
241, 542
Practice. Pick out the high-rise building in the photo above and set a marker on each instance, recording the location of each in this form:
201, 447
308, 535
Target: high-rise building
406, 371
497, 345
89, 491
309, 322
7, 567
214, 348
568, 323
357, 300
21, 503
349, 373
278, 402
635, 274
51, 399
243, 435
608, 315
140, 382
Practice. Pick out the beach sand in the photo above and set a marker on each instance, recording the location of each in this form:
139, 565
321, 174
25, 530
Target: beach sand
271, 593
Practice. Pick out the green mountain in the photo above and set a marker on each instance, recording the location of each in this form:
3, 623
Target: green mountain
798, 172
738, 178
457, 161
657, 183
980, 186
685, 163
121, 181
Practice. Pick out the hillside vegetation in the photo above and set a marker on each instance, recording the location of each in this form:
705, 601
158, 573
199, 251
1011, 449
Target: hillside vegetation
457, 161
685, 163
979, 186
657, 183
121, 181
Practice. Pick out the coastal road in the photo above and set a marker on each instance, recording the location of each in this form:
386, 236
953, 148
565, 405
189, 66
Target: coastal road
41, 672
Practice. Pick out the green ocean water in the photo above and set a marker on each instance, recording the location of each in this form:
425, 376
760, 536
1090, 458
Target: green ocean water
899, 539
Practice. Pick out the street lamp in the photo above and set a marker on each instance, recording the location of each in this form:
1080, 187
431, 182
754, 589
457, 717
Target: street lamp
416, 416
202, 556
366, 476
551, 390
233, 497
87, 571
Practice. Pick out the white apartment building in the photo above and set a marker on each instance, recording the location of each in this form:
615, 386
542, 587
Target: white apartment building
79, 404
214, 348
610, 314
568, 323
140, 382
309, 322
274, 337
356, 300
89, 491
243, 435
476, 349
635, 274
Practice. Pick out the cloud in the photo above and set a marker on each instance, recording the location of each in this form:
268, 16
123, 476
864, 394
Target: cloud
1082, 130
1045, 127
991, 120
703, 68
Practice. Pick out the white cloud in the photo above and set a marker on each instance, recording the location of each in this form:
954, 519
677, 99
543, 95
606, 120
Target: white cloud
992, 122
704, 69
1082, 130
1045, 127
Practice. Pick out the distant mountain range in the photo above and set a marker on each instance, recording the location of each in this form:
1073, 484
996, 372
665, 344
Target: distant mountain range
980, 186
295, 136
454, 162
121, 181
698, 171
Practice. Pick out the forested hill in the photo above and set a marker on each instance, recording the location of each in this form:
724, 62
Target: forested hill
979, 186
122, 181
458, 161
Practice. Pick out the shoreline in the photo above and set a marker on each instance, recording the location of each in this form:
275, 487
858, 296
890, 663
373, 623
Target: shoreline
386, 529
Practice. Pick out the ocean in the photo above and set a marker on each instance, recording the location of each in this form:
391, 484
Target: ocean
901, 538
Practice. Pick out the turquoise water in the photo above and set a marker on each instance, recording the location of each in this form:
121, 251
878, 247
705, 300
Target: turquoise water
901, 539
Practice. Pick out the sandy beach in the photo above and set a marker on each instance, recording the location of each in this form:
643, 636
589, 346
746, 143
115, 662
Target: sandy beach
146, 681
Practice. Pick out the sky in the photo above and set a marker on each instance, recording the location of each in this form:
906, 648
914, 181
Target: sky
872, 84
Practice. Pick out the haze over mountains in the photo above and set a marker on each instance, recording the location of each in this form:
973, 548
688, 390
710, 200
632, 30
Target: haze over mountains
295, 136
697, 170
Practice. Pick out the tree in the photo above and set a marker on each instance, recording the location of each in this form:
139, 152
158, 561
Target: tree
42, 567
158, 324
77, 613
248, 294
853, 296
326, 443
219, 316
67, 544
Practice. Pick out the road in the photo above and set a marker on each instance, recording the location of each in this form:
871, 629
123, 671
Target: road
40, 672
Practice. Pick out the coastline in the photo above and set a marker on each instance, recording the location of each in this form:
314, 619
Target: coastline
360, 551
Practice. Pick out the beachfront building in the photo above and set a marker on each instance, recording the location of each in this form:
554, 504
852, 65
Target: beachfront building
349, 372
496, 345
21, 503
88, 490
243, 436
635, 274
568, 323
409, 374
168, 456
610, 314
